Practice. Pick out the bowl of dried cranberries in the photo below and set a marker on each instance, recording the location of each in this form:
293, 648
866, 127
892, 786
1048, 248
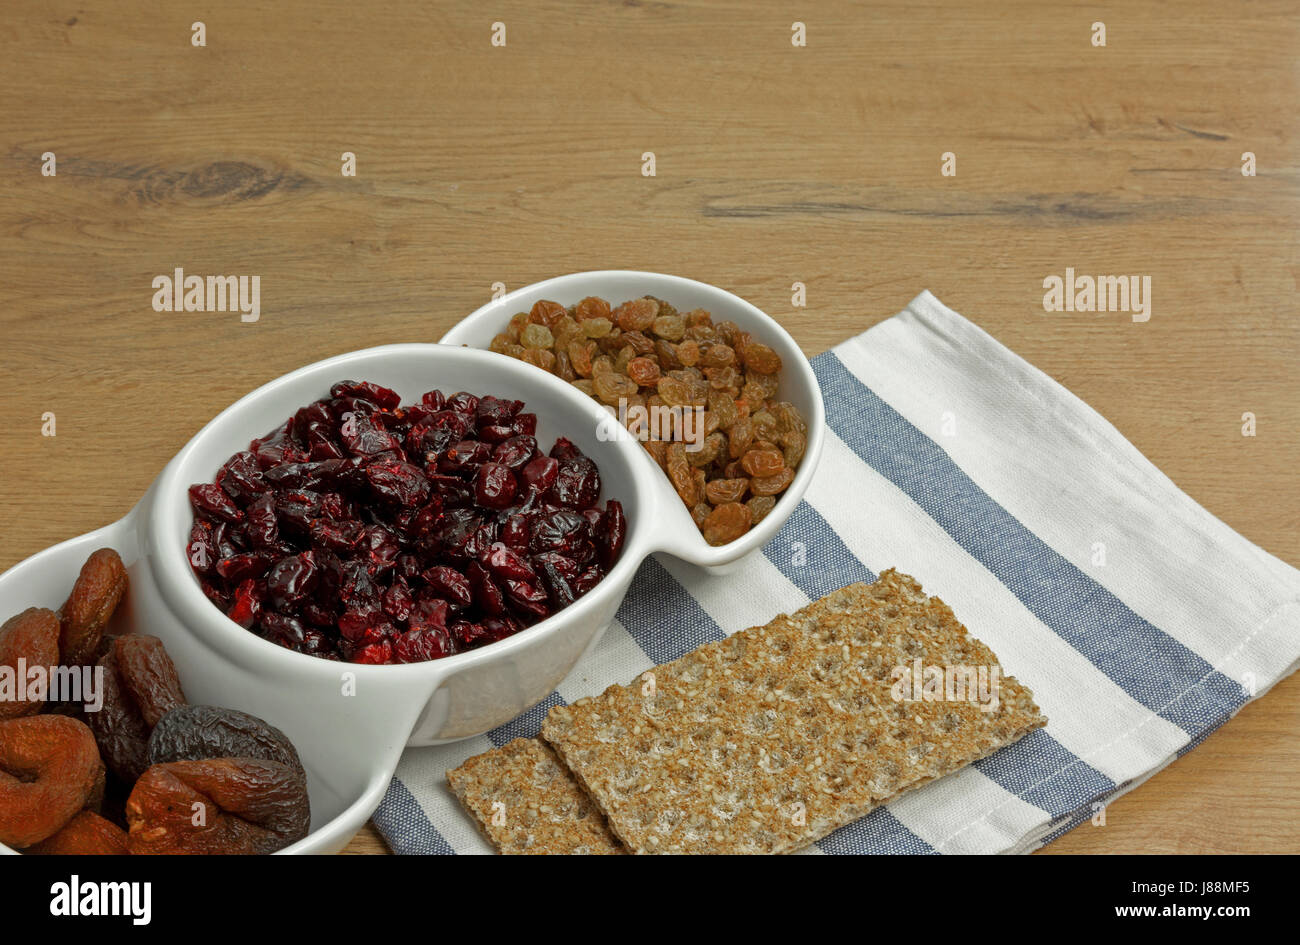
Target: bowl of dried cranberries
719, 395
447, 529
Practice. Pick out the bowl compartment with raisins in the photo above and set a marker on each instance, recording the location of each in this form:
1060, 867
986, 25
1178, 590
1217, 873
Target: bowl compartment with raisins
644, 353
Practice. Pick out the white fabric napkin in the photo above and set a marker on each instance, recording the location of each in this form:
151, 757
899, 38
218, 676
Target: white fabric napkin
1140, 621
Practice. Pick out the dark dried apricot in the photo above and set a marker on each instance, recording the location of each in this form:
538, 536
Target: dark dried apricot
217, 805
196, 732
49, 769
139, 687
86, 834
33, 637
86, 612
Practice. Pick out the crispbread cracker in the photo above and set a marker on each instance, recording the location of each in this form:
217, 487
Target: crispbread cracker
770, 739
544, 810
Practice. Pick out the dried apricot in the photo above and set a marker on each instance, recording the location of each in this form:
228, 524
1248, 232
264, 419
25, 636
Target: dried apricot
196, 732
32, 636
150, 676
86, 834
139, 686
217, 805
49, 769
86, 612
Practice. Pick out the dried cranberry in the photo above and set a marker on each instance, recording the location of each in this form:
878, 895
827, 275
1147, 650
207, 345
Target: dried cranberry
611, 533
450, 583
564, 449
373, 392
528, 599
292, 579
578, 483
211, 501
241, 567
495, 486
462, 403
416, 646
399, 483
540, 473
492, 410
241, 477
247, 605
487, 595
515, 452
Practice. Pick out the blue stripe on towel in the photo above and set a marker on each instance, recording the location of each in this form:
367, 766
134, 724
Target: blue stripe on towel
1042, 771
878, 832
662, 617
1082, 612
526, 725
815, 559
405, 825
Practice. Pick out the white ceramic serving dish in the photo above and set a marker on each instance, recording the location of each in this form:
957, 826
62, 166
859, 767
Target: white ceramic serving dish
350, 744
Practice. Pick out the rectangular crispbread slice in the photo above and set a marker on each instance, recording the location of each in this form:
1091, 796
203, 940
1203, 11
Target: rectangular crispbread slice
542, 809
772, 738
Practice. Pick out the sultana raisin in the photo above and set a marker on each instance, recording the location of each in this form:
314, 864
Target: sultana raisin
759, 506
680, 473
537, 336
771, 485
597, 327
591, 308
700, 513
669, 327
720, 491
741, 436
636, 314
546, 313
761, 359
726, 523
644, 371
540, 357
762, 462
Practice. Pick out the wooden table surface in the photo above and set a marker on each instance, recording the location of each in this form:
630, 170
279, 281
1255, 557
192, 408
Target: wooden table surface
775, 164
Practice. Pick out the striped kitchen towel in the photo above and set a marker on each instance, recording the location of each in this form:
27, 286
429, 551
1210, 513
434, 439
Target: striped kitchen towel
1141, 622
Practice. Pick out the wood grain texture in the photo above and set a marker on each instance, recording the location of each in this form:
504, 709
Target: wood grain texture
774, 164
